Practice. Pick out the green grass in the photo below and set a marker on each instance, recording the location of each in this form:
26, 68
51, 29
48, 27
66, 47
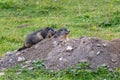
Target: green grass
94, 18
81, 72
84, 18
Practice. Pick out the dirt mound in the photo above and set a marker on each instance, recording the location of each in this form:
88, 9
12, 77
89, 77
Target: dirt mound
59, 55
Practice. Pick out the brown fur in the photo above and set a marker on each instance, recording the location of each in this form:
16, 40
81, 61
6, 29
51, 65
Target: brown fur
62, 33
37, 36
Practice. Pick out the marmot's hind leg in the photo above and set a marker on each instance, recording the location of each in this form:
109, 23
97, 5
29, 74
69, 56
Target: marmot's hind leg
22, 48
26, 45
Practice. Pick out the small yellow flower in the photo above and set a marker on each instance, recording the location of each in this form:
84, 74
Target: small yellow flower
111, 5
94, 27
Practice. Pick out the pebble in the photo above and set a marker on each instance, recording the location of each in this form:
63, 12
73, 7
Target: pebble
10, 60
60, 58
114, 60
8, 54
69, 48
2, 73
18, 53
104, 45
25, 66
20, 59
98, 45
98, 53
28, 62
36, 46
55, 43
30, 68
3, 69
83, 60
104, 65
18, 73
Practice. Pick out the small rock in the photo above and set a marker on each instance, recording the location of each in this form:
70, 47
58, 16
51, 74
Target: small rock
104, 45
83, 60
1, 59
91, 54
55, 43
35, 61
30, 68
20, 59
110, 69
25, 66
28, 62
3, 69
114, 60
2, 73
98, 53
36, 46
18, 53
10, 60
98, 45
20, 70
18, 73
104, 65
60, 58
8, 54
69, 48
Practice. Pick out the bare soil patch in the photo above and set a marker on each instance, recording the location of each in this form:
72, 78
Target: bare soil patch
59, 55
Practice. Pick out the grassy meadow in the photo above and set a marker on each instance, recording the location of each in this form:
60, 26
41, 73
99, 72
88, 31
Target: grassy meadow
94, 18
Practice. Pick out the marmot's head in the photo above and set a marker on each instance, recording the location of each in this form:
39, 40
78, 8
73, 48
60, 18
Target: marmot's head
48, 32
62, 33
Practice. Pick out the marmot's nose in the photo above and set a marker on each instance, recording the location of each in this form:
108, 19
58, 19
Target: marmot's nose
69, 31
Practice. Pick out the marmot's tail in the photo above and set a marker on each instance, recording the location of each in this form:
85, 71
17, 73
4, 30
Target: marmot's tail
22, 48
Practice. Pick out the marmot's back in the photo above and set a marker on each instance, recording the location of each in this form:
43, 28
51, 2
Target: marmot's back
37, 36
